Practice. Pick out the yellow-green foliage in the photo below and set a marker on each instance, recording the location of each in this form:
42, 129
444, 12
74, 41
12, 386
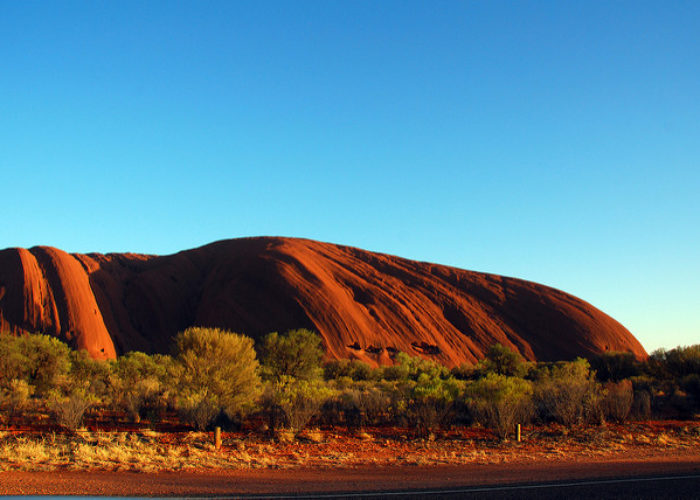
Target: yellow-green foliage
500, 402
297, 353
432, 401
294, 401
217, 370
40, 360
407, 367
502, 360
140, 382
569, 393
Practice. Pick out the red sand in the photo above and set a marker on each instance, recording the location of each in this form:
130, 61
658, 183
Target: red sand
365, 305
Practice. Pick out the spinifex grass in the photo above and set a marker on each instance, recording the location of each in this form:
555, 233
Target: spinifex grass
149, 451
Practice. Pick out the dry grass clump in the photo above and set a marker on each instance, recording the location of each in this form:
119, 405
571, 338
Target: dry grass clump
149, 451
115, 451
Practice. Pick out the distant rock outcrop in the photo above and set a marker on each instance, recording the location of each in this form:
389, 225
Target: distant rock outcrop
365, 305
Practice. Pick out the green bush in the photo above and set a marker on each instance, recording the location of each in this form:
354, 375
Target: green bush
139, 383
292, 403
683, 361
675, 363
15, 398
69, 409
465, 371
500, 402
40, 360
615, 366
502, 360
13, 363
297, 353
408, 367
618, 399
90, 374
364, 405
432, 402
568, 393
353, 369
216, 369
641, 405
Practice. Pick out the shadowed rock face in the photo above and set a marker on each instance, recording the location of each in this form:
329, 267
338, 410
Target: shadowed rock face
365, 305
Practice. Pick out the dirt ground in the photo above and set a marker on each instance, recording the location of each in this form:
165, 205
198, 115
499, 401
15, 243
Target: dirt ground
379, 460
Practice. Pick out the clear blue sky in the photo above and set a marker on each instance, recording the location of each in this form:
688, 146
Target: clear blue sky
553, 141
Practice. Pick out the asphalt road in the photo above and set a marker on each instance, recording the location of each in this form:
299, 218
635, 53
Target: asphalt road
655, 487
663, 477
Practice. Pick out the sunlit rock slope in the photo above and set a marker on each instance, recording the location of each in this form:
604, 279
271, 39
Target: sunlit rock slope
365, 305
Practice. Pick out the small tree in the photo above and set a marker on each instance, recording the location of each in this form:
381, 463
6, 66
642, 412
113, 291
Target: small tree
40, 360
294, 402
678, 362
69, 408
500, 402
408, 367
503, 361
13, 362
354, 369
615, 366
218, 369
15, 398
90, 374
137, 383
432, 402
297, 353
618, 400
568, 393
363, 405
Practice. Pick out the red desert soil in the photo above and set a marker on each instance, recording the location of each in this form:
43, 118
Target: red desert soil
188, 464
365, 305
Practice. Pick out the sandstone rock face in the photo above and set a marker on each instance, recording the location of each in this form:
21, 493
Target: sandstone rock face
365, 305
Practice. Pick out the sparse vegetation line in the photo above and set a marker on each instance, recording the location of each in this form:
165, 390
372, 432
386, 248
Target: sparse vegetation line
279, 393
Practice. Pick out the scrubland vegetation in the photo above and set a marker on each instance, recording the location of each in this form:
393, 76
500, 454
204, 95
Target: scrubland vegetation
281, 389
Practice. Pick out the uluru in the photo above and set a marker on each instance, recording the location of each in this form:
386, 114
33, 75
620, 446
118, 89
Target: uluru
365, 305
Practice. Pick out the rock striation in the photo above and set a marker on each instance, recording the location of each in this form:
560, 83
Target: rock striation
365, 305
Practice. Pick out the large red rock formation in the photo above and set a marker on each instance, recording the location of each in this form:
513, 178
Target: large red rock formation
365, 305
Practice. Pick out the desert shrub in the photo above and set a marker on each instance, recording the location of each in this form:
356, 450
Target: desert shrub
215, 368
297, 353
615, 366
643, 383
679, 405
69, 409
691, 385
502, 360
465, 371
13, 363
672, 365
40, 360
500, 402
680, 361
568, 393
641, 405
292, 403
432, 402
408, 367
618, 399
363, 405
15, 398
90, 374
199, 408
137, 383
353, 369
